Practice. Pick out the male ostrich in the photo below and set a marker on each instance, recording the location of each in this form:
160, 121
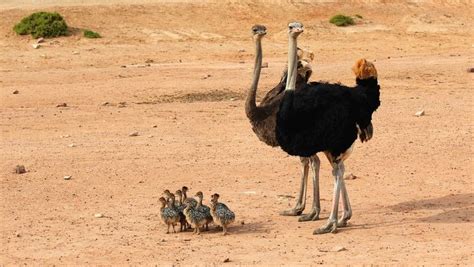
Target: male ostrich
263, 116
324, 117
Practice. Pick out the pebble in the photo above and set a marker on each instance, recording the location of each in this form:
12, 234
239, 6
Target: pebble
67, 177
62, 105
241, 50
155, 126
133, 134
36, 46
16, 92
75, 53
40, 40
420, 113
99, 215
105, 103
339, 249
19, 169
227, 260
72, 145
350, 176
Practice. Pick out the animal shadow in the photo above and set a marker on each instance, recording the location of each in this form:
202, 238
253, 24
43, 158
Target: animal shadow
455, 208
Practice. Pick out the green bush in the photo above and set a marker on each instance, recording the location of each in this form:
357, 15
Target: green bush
42, 24
91, 34
341, 20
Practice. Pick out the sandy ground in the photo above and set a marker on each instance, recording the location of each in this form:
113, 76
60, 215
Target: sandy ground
182, 71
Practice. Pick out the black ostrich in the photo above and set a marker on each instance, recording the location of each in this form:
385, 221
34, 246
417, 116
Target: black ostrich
325, 117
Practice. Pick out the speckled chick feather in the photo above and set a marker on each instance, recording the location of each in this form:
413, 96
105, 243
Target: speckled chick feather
221, 214
168, 215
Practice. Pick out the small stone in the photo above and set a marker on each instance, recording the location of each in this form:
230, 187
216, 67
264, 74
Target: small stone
105, 103
62, 105
75, 53
71, 145
242, 222
264, 65
16, 92
99, 215
133, 134
471, 70
420, 113
122, 104
19, 169
150, 136
123, 66
155, 126
40, 40
149, 61
241, 50
67, 177
350, 176
227, 260
339, 249
36, 46
65, 136
18, 235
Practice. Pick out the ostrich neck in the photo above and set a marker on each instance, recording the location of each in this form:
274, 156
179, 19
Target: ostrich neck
251, 104
291, 76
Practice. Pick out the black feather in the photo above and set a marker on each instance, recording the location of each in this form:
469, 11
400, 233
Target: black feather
324, 117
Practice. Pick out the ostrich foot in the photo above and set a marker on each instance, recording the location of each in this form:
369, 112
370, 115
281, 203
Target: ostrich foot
330, 227
312, 216
343, 222
292, 212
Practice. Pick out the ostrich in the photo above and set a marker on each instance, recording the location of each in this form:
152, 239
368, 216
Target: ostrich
263, 117
324, 117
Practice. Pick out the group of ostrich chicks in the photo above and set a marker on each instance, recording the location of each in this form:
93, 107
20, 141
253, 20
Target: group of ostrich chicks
191, 212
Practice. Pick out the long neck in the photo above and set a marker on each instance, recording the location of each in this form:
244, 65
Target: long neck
180, 200
251, 102
291, 75
199, 202
184, 194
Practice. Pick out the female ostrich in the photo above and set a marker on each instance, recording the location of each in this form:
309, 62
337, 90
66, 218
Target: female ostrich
327, 118
263, 116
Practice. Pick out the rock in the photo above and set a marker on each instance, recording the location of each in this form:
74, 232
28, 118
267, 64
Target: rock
471, 70
71, 145
105, 103
339, 249
67, 177
62, 105
16, 92
18, 235
133, 134
19, 169
150, 136
149, 61
226, 260
75, 53
99, 215
155, 126
420, 113
264, 65
350, 176
39, 40
242, 222
36, 46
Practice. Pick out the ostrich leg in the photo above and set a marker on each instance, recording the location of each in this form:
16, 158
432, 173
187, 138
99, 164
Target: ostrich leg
331, 225
301, 202
346, 216
313, 215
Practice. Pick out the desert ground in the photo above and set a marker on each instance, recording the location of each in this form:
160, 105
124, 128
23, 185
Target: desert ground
177, 72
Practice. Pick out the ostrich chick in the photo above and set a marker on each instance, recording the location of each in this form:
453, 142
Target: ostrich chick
192, 201
204, 209
193, 216
221, 214
168, 215
180, 207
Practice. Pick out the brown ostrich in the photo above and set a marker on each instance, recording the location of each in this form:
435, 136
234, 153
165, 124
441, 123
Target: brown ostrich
263, 116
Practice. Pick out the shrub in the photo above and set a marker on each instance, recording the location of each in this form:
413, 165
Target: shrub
341, 20
91, 34
42, 24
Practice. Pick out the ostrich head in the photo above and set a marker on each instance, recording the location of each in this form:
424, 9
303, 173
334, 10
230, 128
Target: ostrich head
199, 195
364, 69
214, 198
259, 31
295, 28
163, 201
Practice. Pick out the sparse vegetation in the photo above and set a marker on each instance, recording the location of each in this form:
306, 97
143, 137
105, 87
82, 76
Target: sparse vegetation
342, 20
91, 34
42, 24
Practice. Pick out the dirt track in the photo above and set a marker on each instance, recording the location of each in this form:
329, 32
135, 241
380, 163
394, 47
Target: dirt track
413, 200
